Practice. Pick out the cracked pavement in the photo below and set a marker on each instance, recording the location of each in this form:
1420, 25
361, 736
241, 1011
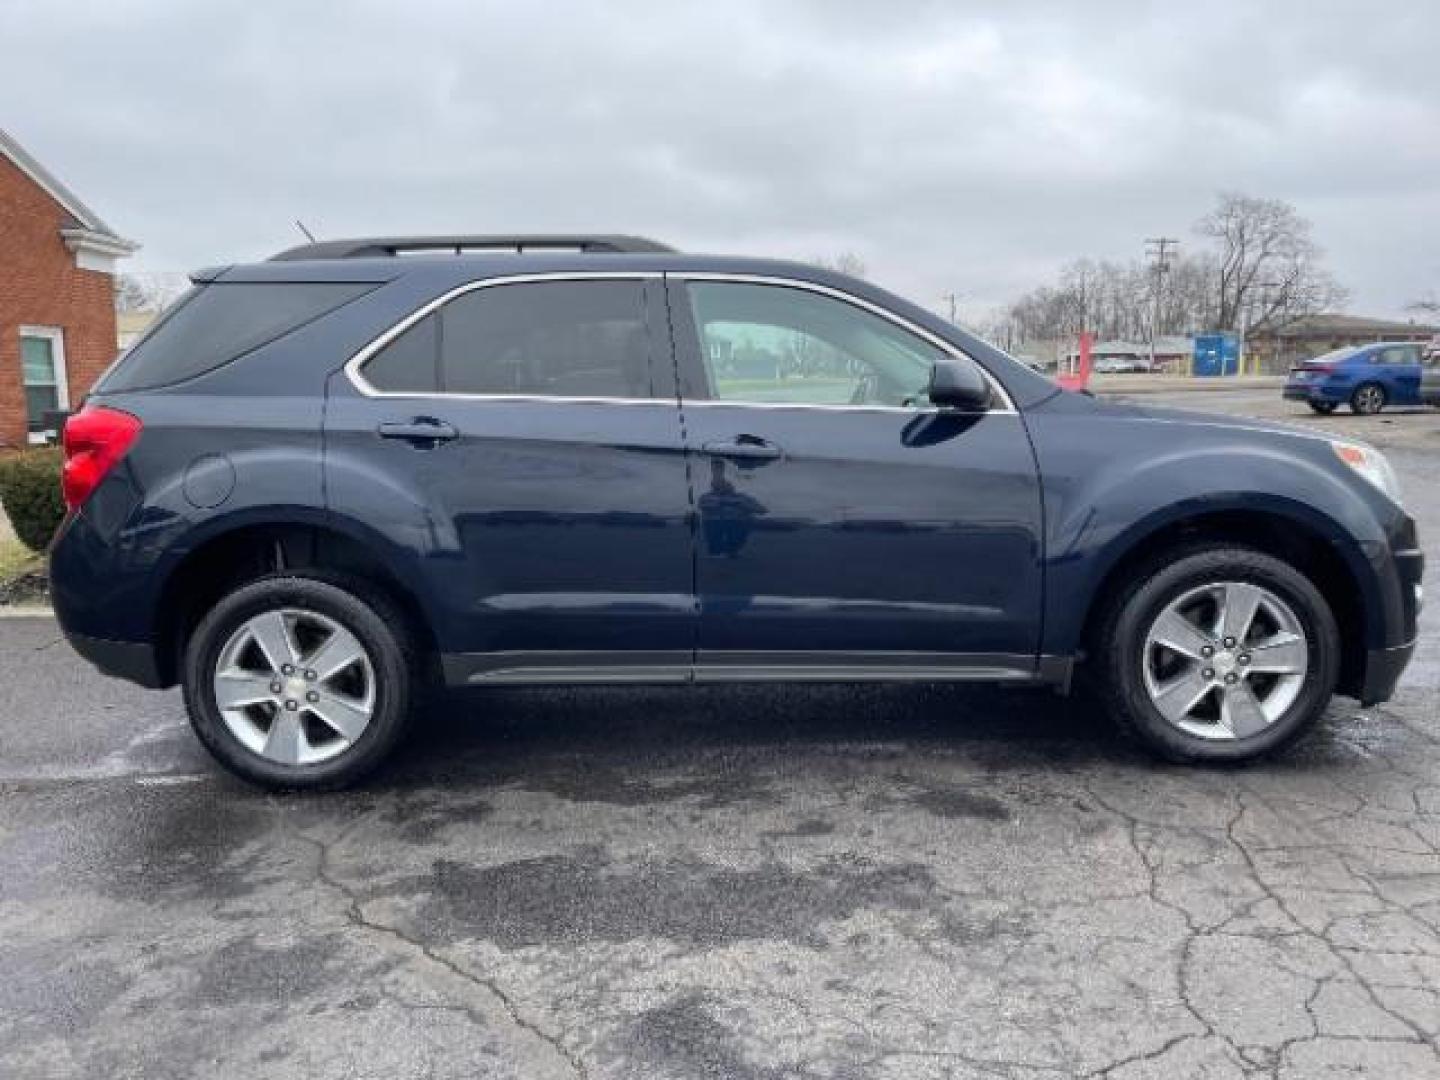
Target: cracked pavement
751, 882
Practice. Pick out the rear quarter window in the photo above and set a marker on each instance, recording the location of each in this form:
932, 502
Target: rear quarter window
217, 323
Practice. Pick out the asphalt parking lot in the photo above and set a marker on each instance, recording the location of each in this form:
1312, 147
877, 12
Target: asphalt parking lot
828, 882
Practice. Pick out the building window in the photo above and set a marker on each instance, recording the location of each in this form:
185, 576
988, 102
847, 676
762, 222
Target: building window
42, 363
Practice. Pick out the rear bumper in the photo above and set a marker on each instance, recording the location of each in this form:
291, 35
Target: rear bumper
1311, 392
132, 661
1383, 668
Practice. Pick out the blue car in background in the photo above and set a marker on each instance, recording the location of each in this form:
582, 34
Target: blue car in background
1366, 377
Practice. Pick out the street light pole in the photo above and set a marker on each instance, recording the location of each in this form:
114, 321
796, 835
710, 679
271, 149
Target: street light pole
1244, 333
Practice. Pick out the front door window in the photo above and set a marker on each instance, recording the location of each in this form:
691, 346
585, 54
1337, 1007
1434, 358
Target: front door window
769, 344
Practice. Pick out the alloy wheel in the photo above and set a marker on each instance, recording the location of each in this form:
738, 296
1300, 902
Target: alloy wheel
1225, 660
295, 686
1369, 399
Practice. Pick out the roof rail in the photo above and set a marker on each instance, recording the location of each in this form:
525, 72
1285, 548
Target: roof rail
382, 246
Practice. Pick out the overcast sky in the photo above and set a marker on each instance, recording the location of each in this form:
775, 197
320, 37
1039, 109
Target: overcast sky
953, 146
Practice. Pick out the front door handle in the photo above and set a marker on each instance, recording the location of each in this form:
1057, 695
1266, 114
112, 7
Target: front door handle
423, 431
743, 448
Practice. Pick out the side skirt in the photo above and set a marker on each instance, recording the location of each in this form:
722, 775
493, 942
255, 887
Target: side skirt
683, 666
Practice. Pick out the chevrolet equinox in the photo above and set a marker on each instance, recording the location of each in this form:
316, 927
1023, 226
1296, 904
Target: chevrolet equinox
325, 482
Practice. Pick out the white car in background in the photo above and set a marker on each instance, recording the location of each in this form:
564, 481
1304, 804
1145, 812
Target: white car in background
1121, 365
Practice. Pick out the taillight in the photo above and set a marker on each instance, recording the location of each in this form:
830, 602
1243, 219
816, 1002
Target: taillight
1323, 369
95, 440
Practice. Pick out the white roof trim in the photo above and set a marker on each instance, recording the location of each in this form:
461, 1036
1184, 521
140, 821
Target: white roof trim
100, 243
91, 223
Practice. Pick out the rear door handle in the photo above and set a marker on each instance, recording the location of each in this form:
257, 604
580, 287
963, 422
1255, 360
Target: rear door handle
743, 448
422, 431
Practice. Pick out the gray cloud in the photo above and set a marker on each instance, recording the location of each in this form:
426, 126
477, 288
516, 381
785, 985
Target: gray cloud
967, 147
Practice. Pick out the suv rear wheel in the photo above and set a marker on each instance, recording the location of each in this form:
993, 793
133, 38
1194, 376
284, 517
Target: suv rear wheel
1219, 654
299, 682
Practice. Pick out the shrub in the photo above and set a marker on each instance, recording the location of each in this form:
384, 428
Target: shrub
30, 493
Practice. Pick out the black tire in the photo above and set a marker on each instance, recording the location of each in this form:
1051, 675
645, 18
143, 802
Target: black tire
1368, 399
1119, 649
378, 625
1324, 408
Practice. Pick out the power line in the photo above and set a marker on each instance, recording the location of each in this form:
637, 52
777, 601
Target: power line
1160, 248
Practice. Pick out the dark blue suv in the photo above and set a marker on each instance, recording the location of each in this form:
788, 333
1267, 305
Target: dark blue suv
327, 481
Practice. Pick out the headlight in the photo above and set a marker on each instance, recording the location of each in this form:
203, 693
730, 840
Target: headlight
1372, 465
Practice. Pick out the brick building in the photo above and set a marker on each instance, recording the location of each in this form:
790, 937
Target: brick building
57, 295
1312, 335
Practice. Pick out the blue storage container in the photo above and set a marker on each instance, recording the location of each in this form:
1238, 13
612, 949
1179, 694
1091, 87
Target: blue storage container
1216, 354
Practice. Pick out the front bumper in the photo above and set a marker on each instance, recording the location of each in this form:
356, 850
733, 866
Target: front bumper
1385, 665
1383, 668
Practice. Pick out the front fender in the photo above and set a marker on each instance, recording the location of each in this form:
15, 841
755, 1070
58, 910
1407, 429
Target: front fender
1105, 497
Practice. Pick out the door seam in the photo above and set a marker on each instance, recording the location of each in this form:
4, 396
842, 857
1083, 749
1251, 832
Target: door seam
692, 514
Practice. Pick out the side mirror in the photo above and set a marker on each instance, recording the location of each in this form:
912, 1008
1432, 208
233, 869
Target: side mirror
958, 384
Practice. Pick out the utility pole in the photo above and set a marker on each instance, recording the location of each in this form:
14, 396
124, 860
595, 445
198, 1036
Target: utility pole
1158, 248
953, 299
1264, 287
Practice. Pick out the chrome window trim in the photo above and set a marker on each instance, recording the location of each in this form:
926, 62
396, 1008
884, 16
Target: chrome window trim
938, 342
357, 378
355, 363
907, 410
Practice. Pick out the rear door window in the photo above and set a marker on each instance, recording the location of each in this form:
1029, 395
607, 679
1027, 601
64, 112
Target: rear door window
564, 339
217, 323
410, 363
1397, 354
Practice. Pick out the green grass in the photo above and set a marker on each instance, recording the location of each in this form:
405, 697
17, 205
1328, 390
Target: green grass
16, 558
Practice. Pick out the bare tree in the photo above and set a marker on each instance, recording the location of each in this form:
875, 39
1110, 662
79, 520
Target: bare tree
1114, 300
147, 292
1429, 306
1264, 271
1267, 264
131, 294
847, 262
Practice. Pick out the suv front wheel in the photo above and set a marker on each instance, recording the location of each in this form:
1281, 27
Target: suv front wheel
1219, 654
299, 682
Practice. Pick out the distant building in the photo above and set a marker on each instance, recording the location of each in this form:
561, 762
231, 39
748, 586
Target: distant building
1313, 335
57, 296
130, 326
1172, 352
